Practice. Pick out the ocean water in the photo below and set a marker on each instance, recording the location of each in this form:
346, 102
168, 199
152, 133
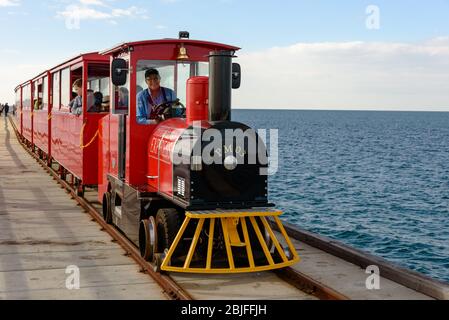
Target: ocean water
377, 181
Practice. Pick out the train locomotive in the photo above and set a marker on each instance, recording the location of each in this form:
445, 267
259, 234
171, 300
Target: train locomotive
188, 190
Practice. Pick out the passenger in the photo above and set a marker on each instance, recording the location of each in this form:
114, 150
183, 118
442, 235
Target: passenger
90, 101
1, 109
97, 101
105, 104
76, 105
38, 104
148, 99
74, 95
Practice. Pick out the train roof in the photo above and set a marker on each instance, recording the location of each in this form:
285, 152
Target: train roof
41, 75
79, 58
125, 45
74, 60
23, 84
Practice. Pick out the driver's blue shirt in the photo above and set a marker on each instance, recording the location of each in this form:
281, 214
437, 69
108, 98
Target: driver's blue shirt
143, 103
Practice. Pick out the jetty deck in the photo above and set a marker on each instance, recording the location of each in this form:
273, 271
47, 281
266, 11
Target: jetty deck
43, 231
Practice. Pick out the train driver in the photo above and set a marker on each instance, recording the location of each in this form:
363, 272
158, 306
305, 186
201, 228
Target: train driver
148, 99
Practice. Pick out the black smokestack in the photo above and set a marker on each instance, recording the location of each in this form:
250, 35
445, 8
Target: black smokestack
220, 83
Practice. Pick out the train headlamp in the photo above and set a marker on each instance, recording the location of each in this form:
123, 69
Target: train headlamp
184, 35
230, 163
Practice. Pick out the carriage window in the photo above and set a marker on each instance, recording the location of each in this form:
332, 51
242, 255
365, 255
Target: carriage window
55, 91
166, 69
45, 94
66, 91
98, 87
38, 94
18, 98
184, 71
173, 76
26, 98
187, 70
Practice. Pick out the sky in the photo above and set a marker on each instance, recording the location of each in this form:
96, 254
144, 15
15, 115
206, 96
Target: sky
320, 54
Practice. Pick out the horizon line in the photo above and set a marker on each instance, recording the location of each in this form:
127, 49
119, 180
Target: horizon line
358, 110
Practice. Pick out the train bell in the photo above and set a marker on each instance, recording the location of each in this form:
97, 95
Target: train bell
183, 53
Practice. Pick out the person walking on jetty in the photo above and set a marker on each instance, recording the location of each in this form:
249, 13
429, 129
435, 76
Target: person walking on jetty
1, 109
6, 109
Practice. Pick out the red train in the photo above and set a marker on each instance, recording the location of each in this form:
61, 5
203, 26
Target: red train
185, 213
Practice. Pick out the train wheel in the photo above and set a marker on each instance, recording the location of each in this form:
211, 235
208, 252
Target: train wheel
157, 263
80, 190
62, 173
147, 238
167, 225
107, 211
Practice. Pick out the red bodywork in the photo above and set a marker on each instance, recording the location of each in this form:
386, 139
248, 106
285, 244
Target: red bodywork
18, 103
160, 150
41, 118
87, 145
27, 112
75, 139
166, 135
197, 99
138, 136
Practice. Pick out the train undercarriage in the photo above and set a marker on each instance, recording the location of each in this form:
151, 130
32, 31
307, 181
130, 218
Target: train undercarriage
210, 241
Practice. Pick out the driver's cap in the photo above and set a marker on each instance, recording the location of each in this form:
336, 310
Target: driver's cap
150, 72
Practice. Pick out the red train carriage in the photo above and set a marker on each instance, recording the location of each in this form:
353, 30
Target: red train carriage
41, 114
75, 138
184, 213
17, 117
195, 217
27, 112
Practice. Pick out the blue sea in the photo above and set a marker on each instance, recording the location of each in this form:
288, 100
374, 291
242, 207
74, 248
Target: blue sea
377, 181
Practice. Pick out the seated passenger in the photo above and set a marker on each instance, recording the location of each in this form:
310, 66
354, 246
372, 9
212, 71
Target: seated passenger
94, 100
148, 99
76, 105
37, 104
105, 104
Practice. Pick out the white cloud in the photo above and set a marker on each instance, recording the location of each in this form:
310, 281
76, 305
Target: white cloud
9, 51
83, 13
9, 3
347, 75
130, 12
89, 10
92, 2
